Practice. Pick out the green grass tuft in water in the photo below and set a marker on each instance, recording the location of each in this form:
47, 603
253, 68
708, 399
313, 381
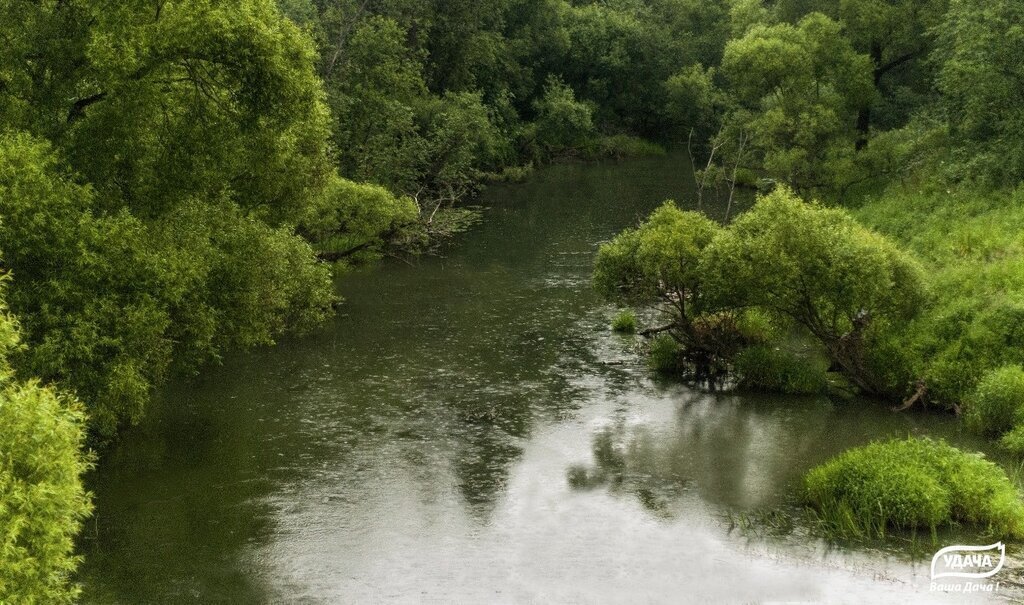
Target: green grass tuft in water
914, 483
625, 322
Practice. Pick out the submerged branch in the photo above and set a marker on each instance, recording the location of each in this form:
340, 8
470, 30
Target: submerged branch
657, 330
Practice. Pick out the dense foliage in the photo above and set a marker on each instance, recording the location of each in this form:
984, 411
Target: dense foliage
154, 165
660, 261
845, 285
912, 483
785, 262
969, 243
42, 500
904, 112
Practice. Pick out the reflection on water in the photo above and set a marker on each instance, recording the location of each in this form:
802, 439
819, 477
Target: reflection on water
469, 430
737, 452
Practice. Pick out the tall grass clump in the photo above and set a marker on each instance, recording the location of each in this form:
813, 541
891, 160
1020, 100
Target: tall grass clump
997, 404
666, 356
771, 369
910, 484
625, 322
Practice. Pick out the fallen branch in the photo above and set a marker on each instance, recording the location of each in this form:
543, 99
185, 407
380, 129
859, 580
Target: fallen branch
658, 330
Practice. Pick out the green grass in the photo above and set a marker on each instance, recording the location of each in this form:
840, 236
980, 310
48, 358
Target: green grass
997, 404
911, 484
620, 146
772, 369
665, 356
973, 251
625, 322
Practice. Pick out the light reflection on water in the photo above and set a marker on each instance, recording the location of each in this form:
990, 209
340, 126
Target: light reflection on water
468, 430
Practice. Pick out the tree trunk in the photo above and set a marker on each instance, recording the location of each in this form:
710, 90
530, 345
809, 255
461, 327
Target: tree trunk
848, 354
864, 115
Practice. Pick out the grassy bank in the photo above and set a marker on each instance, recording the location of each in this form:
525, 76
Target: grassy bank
971, 245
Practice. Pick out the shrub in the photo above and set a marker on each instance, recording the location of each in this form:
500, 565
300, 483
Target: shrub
997, 403
625, 322
767, 368
1013, 441
908, 484
42, 500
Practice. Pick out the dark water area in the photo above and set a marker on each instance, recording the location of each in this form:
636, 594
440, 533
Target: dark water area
469, 430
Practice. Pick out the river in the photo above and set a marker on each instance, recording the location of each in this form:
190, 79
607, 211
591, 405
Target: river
468, 430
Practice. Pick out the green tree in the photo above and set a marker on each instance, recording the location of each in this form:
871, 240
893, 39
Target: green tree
616, 59
155, 164
108, 301
562, 121
375, 91
980, 53
799, 89
694, 103
895, 36
660, 262
847, 286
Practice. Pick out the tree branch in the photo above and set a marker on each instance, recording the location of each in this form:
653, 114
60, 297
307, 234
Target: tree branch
658, 330
78, 108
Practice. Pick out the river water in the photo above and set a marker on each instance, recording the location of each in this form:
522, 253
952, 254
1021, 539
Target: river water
468, 430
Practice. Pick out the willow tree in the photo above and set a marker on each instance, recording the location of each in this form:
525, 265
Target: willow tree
846, 285
798, 91
659, 262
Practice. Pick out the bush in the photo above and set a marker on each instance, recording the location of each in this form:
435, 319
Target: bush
768, 368
1013, 441
997, 404
908, 484
625, 322
42, 500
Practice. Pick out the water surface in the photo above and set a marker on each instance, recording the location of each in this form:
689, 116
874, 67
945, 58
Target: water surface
468, 430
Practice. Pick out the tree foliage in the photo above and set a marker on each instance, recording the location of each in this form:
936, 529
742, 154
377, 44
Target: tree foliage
815, 266
154, 166
819, 267
980, 53
42, 499
798, 90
